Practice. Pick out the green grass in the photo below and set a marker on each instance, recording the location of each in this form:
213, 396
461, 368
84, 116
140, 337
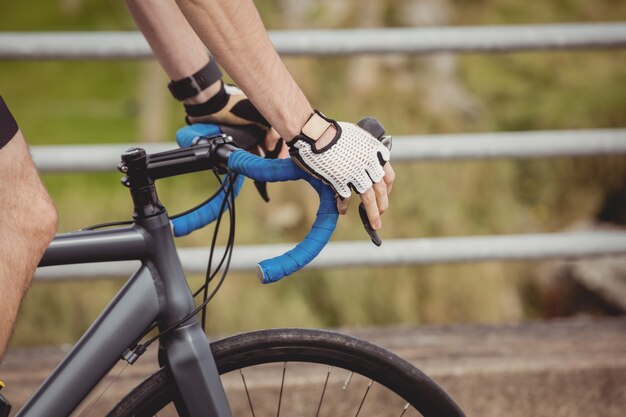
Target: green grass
100, 102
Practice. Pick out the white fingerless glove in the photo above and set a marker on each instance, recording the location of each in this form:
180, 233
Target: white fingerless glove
353, 159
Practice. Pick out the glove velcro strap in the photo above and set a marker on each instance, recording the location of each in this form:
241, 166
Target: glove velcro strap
314, 128
193, 85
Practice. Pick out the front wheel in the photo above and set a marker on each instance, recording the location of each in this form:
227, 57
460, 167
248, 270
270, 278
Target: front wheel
301, 372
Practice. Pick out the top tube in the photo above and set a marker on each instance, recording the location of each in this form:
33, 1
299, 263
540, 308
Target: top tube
115, 244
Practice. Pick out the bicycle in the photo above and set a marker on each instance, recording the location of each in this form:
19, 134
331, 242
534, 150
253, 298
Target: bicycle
158, 296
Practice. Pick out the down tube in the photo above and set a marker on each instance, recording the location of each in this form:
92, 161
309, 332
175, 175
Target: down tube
130, 313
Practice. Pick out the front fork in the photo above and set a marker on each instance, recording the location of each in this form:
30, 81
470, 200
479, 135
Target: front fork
185, 349
194, 372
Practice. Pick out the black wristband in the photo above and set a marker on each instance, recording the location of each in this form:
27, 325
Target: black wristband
212, 105
8, 125
192, 86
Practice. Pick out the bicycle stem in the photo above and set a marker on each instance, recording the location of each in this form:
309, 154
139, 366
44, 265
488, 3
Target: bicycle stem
142, 170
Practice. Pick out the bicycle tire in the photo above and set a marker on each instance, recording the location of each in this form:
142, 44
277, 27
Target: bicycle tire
302, 345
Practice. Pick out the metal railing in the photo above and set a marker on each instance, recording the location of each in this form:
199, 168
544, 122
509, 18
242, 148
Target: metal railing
110, 45
393, 252
484, 39
537, 144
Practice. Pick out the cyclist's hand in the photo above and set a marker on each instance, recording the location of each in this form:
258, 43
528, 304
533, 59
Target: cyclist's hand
346, 157
231, 107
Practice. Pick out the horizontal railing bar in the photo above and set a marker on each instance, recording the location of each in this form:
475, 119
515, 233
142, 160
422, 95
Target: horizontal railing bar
87, 158
332, 42
393, 252
71, 158
531, 144
451, 39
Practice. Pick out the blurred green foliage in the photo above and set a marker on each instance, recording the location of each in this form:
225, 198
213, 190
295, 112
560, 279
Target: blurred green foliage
104, 102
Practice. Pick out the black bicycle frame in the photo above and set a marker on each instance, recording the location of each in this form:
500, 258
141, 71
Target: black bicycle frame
156, 293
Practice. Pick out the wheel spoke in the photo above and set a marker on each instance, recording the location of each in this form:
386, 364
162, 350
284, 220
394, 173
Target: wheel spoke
243, 378
319, 406
367, 390
345, 384
406, 407
282, 386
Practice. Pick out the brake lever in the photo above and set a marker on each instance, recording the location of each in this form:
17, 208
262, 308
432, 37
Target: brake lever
261, 187
368, 228
377, 130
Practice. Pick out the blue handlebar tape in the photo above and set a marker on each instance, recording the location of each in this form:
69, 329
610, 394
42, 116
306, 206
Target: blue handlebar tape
274, 170
185, 136
265, 170
205, 214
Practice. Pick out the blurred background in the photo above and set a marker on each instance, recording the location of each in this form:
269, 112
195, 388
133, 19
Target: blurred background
74, 102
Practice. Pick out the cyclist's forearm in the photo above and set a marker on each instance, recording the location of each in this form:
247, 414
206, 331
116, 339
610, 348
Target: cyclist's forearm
174, 43
236, 35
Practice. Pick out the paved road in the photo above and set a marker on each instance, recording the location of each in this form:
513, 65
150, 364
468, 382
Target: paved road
574, 367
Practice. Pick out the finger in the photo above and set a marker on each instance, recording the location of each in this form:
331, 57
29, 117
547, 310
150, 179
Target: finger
380, 190
375, 171
271, 139
389, 177
342, 205
284, 151
371, 208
